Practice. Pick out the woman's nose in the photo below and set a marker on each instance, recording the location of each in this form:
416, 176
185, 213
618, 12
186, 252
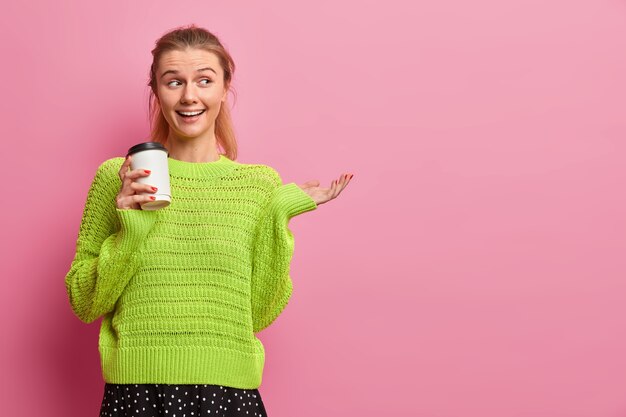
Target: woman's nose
189, 95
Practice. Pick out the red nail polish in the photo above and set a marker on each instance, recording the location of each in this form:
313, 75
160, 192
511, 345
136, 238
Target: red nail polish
152, 197
147, 171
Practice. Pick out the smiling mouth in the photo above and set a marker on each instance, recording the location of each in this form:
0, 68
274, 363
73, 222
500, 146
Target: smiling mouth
193, 114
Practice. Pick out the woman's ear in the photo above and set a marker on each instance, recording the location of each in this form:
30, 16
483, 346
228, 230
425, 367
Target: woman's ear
225, 95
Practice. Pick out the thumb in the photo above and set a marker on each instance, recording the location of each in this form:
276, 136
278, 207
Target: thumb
311, 183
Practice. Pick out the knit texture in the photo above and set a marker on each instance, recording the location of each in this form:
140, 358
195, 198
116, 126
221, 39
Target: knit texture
183, 290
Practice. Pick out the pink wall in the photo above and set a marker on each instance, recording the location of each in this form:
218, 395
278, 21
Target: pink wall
475, 265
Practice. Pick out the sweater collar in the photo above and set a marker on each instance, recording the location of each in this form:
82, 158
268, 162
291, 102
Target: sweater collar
186, 169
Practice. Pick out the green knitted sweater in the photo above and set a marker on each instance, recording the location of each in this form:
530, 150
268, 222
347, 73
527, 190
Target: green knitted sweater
184, 289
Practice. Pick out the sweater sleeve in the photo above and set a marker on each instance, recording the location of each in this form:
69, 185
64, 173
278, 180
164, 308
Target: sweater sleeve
108, 240
273, 249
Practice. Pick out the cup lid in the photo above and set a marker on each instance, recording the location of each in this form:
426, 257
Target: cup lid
146, 146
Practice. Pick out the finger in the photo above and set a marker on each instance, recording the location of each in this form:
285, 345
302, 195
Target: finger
136, 173
311, 183
139, 199
340, 185
346, 180
143, 188
127, 202
132, 201
131, 176
129, 186
124, 167
334, 189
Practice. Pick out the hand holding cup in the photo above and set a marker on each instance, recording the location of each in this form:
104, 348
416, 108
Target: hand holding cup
129, 196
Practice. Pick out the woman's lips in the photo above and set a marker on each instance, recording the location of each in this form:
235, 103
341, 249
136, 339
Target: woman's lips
190, 119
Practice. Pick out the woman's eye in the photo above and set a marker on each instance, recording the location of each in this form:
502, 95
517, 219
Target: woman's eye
204, 79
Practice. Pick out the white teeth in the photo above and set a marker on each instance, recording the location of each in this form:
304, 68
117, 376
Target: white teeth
190, 113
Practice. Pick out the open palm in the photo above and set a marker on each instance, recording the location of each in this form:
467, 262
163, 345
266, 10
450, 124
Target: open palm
322, 195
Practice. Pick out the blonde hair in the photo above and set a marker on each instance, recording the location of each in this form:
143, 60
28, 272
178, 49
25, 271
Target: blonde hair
180, 39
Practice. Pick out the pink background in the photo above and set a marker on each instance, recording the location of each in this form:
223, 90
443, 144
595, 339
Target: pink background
474, 266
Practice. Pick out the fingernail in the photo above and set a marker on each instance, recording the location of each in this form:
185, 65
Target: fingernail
153, 188
152, 197
147, 171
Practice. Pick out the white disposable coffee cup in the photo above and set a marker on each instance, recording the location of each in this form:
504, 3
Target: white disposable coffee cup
152, 156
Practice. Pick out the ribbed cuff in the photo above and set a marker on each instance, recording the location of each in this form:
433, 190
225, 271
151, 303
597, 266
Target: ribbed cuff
135, 225
293, 200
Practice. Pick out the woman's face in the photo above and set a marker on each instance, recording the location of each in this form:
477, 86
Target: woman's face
190, 81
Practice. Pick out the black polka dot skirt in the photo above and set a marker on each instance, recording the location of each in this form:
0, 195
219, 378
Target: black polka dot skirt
162, 400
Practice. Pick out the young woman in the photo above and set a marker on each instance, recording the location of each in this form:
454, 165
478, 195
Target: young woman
183, 290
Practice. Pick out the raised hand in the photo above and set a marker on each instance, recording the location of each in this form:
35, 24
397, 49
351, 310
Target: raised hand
128, 197
322, 195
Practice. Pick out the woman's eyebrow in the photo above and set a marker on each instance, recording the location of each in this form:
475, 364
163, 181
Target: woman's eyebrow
176, 71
